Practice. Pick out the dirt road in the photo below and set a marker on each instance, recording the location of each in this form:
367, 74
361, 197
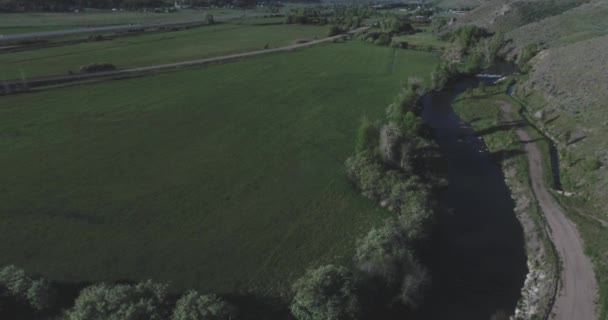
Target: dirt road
578, 288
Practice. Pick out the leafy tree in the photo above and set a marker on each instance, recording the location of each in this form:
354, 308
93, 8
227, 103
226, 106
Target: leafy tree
193, 306
326, 293
385, 254
367, 136
209, 19
366, 173
412, 125
36, 292
146, 300
335, 30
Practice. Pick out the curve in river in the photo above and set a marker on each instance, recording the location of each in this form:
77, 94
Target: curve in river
477, 254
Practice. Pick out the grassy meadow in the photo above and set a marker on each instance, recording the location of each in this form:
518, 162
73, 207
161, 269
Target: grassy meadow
45, 21
424, 39
154, 48
223, 179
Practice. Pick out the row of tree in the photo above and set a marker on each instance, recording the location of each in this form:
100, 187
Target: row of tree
385, 271
389, 26
350, 16
145, 300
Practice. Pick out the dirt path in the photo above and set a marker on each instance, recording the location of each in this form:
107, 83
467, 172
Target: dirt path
578, 288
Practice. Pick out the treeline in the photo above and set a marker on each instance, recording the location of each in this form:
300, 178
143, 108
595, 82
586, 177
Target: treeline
471, 49
24, 294
388, 27
68, 5
343, 16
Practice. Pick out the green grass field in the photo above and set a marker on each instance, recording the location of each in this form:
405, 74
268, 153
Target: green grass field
227, 178
45, 21
157, 48
422, 39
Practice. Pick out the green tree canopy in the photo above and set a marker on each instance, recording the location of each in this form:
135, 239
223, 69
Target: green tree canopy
326, 293
35, 291
193, 306
146, 300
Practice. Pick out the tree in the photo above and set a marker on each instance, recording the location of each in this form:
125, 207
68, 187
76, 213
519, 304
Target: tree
335, 30
327, 293
193, 306
384, 254
209, 19
367, 136
146, 300
34, 291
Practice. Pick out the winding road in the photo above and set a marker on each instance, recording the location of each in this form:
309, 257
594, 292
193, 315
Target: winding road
577, 293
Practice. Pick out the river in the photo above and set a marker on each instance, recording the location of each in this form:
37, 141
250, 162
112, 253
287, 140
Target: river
477, 254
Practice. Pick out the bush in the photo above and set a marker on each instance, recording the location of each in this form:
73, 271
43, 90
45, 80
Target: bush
193, 306
209, 18
97, 67
146, 300
35, 292
97, 37
367, 136
525, 55
326, 293
366, 173
384, 255
384, 39
335, 30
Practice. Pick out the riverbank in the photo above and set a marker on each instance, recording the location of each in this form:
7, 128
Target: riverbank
580, 186
575, 298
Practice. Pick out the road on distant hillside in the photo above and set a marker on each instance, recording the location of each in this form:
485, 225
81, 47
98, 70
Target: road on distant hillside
578, 287
113, 28
9, 85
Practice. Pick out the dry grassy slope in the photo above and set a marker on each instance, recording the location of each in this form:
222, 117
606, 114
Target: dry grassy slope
506, 15
584, 22
460, 3
573, 80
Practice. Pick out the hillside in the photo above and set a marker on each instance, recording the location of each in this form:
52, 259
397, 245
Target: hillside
581, 23
504, 16
573, 82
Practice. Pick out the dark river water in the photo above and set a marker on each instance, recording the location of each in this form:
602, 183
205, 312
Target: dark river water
476, 257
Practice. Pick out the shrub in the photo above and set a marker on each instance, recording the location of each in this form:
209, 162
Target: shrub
35, 292
384, 39
193, 306
326, 293
97, 37
209, 18
367, 136
388, 145
384, 254
335, 30
97, 67
526, 54
146, 300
